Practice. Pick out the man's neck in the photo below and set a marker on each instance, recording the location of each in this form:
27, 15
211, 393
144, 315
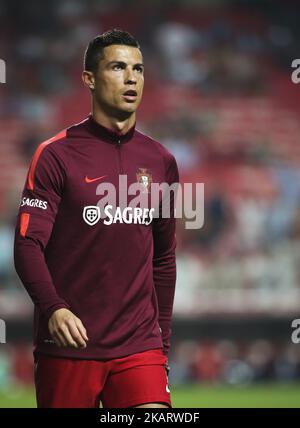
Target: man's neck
114, 123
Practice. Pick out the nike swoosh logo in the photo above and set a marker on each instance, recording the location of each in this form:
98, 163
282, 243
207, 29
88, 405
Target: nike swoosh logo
91, 180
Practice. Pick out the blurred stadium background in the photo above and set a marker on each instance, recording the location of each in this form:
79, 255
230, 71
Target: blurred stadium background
219, 95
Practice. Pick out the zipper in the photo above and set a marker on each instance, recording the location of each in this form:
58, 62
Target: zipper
119, 157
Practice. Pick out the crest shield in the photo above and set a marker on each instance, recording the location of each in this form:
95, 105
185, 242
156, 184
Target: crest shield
91, 214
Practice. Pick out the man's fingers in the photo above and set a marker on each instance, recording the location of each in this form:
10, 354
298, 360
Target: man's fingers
81, 328
57, 335
68, 336
76, 334
54, 336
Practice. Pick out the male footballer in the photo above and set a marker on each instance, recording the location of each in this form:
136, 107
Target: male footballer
102, 278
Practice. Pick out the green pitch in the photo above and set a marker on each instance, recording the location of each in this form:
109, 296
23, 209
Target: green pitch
272, 395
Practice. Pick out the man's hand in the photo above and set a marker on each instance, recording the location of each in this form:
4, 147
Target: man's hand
67, 330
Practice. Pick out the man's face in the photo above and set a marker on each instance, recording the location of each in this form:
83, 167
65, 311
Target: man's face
119, 79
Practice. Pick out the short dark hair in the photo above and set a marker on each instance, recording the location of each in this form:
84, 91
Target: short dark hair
94, 51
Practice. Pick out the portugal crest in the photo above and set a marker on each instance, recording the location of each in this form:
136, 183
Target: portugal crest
91, 214
144, 178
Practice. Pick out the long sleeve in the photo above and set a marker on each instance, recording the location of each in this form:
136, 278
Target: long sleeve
164, 261
39, 205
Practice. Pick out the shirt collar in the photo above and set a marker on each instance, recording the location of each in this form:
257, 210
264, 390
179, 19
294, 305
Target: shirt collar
109, 135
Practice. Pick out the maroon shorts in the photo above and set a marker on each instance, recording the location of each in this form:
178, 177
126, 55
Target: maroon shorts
122, 382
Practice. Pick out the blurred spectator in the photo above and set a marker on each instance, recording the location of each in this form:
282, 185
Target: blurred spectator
260, 357
207, 363
5, 371
6, 253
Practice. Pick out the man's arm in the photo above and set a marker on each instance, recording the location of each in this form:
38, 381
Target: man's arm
39, 205
164, 261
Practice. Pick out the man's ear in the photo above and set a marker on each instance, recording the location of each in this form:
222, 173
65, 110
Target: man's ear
88, 79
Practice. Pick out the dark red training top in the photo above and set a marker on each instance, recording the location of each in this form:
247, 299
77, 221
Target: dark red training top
119, 277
